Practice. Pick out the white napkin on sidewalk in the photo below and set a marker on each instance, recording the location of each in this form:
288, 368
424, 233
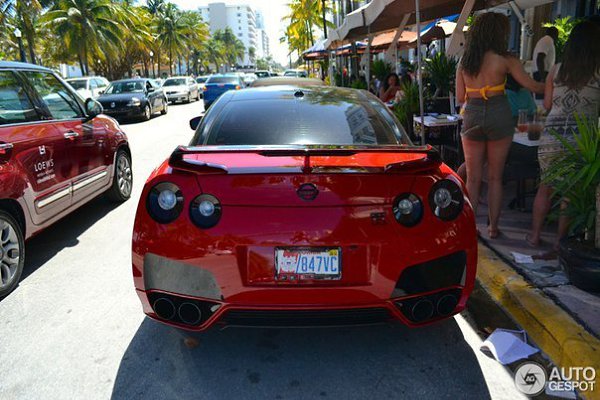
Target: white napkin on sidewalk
507, 346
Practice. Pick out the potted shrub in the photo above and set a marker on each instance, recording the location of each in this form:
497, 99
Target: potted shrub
408, 106
575, 177
441, 71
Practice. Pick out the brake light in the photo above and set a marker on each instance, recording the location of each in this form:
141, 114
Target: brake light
205, 88
238, 87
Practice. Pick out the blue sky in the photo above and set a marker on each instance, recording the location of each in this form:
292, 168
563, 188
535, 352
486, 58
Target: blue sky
273, 12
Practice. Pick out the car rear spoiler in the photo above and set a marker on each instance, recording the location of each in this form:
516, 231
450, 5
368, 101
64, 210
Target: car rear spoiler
179, 162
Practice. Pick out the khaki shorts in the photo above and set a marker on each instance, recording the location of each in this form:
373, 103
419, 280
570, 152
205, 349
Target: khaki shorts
487, 120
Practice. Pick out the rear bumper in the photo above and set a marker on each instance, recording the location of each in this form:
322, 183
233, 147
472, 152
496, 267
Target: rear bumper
191, 298
178, 97
130, 112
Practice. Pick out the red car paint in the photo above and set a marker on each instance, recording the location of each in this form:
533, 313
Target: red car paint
261, 210
49, 156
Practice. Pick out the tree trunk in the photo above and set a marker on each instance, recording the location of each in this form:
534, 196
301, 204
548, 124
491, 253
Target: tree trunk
170, 60
80, 63
598, 217
31, 45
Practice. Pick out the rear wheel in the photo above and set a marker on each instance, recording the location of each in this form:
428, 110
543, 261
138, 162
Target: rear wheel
165, 107
12, 253
147, 112
123, 178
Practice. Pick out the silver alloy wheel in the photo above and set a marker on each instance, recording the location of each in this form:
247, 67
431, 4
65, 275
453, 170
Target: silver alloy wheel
147, 112
124, 176
10, 252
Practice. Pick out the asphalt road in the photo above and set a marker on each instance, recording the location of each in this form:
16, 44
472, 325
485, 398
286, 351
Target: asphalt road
74, 328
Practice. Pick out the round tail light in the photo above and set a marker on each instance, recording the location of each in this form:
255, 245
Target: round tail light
205, 211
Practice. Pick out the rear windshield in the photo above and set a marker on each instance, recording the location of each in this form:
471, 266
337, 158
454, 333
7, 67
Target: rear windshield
201, 80
224, 79
310, 120
175, 82
78, 84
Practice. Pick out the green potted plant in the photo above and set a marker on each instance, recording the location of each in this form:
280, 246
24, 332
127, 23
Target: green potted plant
575, 177
408, 106
441, 71
381, 69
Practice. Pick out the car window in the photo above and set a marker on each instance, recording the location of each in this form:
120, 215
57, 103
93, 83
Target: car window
15, 105
234, 80
78, 84
60, 102
317, 119
175, 82
136, 86
93, 84
100, 83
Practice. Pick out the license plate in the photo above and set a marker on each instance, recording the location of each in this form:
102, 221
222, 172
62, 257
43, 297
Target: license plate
307, 263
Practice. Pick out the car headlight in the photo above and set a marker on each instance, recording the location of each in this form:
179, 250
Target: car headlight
205, 211
446, 199
164, 202
408, 209
134, 102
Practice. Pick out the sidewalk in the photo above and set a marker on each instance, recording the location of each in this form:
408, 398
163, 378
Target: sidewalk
562, 320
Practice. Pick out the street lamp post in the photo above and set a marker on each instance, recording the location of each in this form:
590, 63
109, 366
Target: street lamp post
152, 64
18, 35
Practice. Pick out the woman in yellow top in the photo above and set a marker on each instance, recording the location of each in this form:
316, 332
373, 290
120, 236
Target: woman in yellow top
488, 128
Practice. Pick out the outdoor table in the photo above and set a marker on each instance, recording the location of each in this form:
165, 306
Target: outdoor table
442, 131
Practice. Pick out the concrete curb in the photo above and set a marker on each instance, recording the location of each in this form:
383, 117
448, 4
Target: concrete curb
552, 329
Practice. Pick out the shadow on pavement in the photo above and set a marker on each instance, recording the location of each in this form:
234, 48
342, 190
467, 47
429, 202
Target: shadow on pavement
377, 362
64, 233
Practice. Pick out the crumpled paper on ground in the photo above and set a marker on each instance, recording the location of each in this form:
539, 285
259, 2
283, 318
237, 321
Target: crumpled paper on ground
522, 258
507, 346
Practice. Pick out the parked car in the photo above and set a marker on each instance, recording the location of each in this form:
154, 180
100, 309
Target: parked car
318, 212
249, 78
181, 89
90, 86
201, 80
133, 98
262, 74
298, 73
57, 153
287, 80
218, 84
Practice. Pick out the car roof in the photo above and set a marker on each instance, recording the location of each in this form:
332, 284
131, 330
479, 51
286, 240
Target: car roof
178, 77
21, 65
132, 80
289, 91
287, 80
224, 76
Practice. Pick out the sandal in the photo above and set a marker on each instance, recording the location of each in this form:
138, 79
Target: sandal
530, 242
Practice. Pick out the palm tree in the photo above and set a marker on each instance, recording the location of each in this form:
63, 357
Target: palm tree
25, 15
171, 31
86, 27
233, 47
252, 54
304, 17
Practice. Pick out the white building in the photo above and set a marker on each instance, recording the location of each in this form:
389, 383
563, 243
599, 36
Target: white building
262, 50
242, 21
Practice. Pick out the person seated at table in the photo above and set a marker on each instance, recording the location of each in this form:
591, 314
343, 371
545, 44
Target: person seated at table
390, 86
572, 88
519, 98
487, 130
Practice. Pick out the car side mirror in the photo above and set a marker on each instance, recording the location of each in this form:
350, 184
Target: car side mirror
101, 91
194, 122
150, 89
93, 108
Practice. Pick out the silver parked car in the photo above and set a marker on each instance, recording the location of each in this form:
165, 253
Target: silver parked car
181, 88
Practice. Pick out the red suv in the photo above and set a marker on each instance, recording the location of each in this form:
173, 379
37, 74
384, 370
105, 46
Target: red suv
56, 154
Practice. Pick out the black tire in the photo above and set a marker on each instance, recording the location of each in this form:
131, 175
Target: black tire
121, 191
147, 113
189, 99
165, 109
10, 274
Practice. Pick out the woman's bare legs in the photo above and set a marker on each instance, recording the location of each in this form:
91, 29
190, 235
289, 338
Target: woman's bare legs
474, 151
497, 152
541, 208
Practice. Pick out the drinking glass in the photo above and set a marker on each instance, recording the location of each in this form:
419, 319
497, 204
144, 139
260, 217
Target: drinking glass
523, 121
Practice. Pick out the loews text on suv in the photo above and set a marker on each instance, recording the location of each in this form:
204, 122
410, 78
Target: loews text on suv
57, 153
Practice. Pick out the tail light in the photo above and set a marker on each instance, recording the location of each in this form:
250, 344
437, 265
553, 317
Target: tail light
164, 202
205, 88
205, 211
408, 209
446, 200
238, 87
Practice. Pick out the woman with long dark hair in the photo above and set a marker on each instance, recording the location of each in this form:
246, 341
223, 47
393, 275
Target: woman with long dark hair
572, 88
390, 86
487, 122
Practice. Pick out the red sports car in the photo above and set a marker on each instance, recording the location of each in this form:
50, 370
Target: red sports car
302, 206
